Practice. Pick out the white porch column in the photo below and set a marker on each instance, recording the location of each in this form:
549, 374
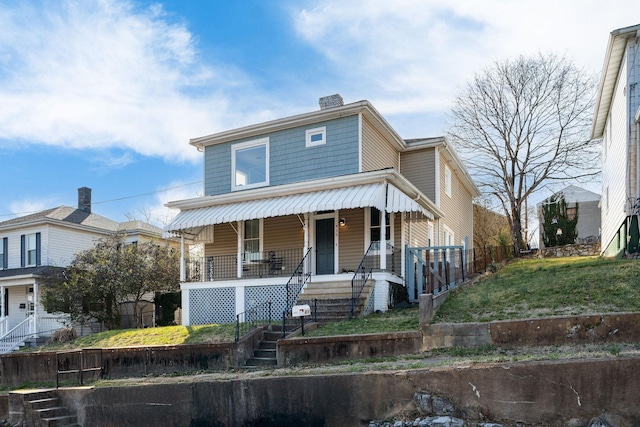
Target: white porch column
35, 309
240, 308
306, 265
239, 232
383, 239
185, 307
3, 309
183, 275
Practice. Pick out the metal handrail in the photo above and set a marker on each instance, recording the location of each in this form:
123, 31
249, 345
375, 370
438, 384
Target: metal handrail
81, 369
294, 286
360, 277
250, 319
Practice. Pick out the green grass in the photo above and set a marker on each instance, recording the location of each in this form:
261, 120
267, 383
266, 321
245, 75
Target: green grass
165, 335
522, 289
405, 319
548, 287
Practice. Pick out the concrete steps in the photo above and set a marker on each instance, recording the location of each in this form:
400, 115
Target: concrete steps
44, 409
265, 354
331, 301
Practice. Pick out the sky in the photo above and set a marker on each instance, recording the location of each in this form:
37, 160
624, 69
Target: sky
107, 93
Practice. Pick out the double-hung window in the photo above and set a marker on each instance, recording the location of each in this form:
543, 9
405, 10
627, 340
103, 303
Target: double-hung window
250, 164
376, 232
252, 240
30, 250
447, 180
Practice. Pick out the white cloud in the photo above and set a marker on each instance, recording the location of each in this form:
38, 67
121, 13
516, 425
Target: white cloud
29, 206
96, 74
413, 56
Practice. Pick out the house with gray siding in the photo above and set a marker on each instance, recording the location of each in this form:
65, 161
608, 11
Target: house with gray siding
33, 245
616, 122
315, 205
587, 204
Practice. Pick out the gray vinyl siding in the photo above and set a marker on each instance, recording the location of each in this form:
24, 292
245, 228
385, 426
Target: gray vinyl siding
351, 239
377, 152
419, 166
290, 160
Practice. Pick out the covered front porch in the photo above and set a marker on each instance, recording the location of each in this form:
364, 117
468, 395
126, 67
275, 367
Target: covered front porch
262, 249
22, 317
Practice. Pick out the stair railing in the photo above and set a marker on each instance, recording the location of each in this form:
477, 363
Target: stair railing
250, 319
298, 279
18, 335
361, 276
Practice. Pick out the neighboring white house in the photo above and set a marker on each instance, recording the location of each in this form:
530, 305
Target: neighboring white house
304, 202
588, 227
616, 122
32, 244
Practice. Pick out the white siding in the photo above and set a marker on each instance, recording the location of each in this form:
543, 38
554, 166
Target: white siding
63, 243
614, 165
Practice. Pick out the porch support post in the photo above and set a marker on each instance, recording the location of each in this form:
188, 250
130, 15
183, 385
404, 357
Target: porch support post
183, 276
240, 228
34, 326
3, 319
383, 238
306, 242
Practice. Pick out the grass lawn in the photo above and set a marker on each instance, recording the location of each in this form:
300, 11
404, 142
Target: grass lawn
548, 287
522, 289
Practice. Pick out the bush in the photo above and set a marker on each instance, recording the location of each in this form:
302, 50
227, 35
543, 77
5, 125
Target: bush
63, 335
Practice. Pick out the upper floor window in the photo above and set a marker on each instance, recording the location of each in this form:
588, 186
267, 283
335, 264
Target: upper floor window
317, 136
447, 180
4, 243
250, 164
30, 250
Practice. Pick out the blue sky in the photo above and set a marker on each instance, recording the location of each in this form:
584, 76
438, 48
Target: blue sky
107, 93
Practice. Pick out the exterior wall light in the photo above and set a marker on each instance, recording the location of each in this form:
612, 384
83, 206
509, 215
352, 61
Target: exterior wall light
342, 222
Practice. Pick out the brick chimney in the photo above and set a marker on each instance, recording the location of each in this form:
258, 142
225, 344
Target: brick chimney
330, 101
84, 199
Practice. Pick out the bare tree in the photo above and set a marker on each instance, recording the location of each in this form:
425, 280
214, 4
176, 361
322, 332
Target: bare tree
489, 228
522, 124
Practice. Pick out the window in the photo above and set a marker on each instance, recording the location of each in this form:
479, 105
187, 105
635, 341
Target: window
376, 228
317, 136
250, 164
251, 241
3, 253
447, 236
447, 180
30, 250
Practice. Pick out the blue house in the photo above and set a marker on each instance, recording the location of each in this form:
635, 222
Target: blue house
321, 205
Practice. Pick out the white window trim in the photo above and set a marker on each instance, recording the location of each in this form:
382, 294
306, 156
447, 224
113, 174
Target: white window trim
447, 231
34, 249
242, 146
260, 236
310, 132
367, 228
447, 180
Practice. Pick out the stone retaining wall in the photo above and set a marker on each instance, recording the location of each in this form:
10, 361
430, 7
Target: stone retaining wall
578, 249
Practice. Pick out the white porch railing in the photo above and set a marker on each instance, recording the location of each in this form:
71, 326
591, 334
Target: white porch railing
18, 335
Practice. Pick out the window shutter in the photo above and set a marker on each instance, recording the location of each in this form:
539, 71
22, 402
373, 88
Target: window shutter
5, 252
38, 259
22, 250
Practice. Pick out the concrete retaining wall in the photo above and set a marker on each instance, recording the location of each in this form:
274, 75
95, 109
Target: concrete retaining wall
556, 393
20, 368
301, 350
615, 327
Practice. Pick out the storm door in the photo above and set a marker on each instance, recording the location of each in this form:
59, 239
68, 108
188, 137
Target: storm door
325, 246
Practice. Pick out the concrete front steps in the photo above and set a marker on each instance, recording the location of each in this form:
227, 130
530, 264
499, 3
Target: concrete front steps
331, 301
265, 355
44, 409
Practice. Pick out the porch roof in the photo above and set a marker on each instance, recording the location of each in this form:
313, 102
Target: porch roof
380, 195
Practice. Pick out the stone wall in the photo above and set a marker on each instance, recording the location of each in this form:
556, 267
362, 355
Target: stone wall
578, 249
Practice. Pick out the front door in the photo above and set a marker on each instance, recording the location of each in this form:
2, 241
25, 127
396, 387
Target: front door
325, 246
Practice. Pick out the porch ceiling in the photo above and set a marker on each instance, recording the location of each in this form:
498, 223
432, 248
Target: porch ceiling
358, 196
